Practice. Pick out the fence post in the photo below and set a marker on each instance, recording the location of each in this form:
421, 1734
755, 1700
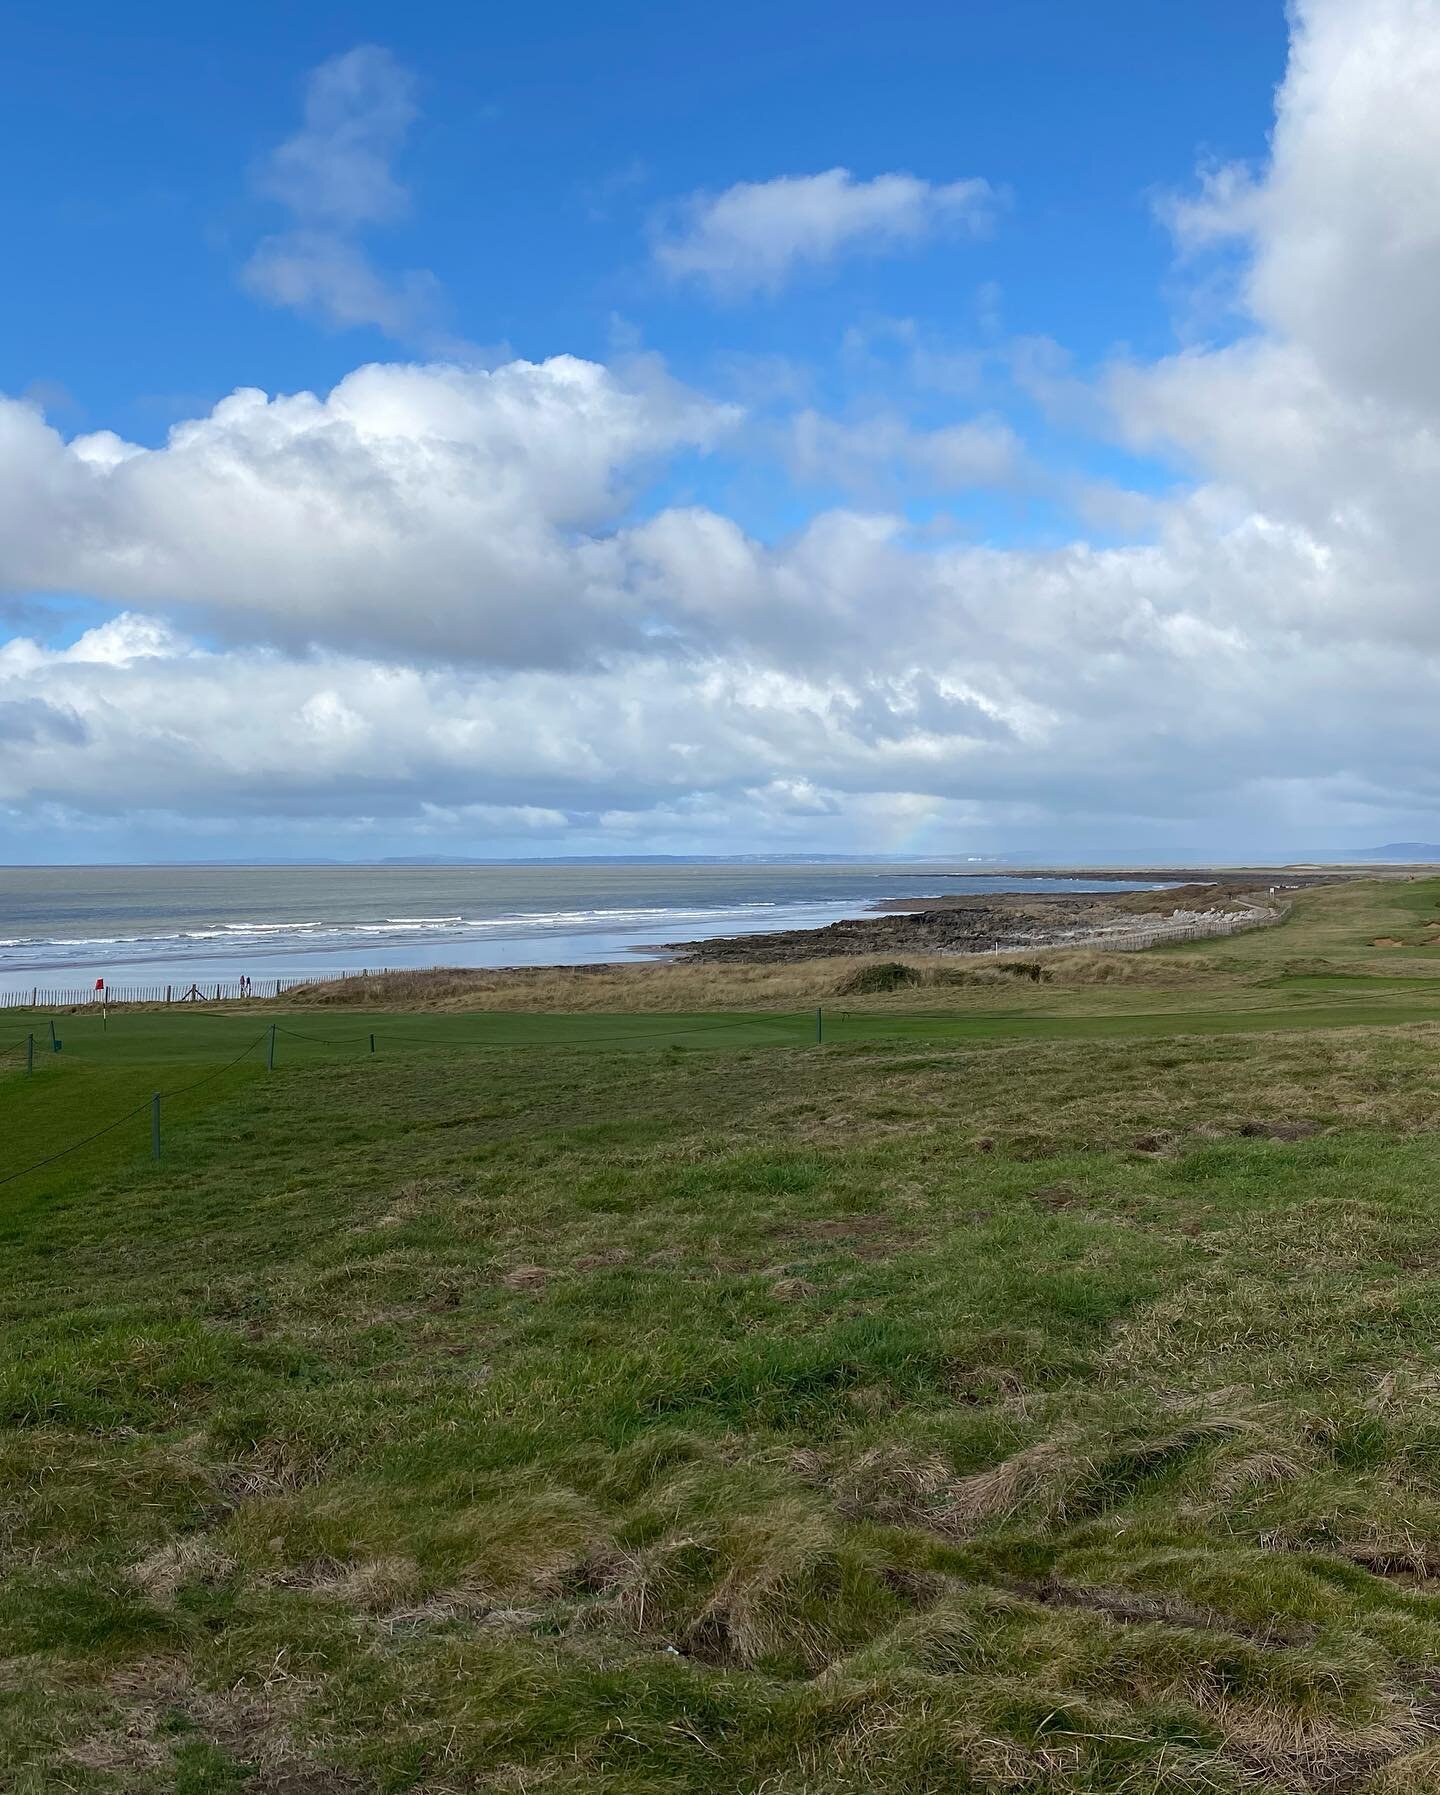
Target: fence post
270, 1051
155, 1126
29, 1054
167, 994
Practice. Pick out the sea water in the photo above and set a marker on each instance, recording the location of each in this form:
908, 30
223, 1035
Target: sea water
72, 925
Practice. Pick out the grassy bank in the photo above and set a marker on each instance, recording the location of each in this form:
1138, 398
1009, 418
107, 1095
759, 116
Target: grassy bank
1032, 1388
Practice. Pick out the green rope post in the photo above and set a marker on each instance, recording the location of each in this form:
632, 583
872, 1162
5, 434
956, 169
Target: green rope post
819, 1025
270, 1050
155, 1126
29, 1055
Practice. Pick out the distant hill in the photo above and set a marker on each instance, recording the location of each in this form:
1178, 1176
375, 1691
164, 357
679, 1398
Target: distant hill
1394, 852
685, 860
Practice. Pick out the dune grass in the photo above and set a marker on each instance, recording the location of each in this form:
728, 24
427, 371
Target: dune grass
1030, 1399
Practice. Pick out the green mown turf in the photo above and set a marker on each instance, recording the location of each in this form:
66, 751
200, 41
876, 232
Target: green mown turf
989, 1400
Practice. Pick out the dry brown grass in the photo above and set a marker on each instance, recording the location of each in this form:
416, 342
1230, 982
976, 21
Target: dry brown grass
660, 987
1266, 1469
683, 988
1190, 897
1097, 966
897, 1485
1278, 1748
258, 1727
373, 1585
163, 1573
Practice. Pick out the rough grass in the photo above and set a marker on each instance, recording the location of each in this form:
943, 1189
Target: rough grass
675, 987
899, 1415
667, 986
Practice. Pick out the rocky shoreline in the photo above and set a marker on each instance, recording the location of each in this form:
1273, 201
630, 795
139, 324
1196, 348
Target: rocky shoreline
969, 925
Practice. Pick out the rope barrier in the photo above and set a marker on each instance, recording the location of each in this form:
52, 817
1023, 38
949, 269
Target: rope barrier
219, 1072
300, 1035
75, 1146
702, 1028
110, 1127
322, 1040
208, 1015
386, 1034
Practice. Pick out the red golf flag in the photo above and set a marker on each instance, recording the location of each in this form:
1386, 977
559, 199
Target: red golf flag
99, 984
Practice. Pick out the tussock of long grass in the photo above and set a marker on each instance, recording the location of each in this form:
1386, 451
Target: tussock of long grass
783, 1586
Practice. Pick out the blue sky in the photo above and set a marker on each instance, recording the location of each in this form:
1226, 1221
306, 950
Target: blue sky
954, 435
548, 137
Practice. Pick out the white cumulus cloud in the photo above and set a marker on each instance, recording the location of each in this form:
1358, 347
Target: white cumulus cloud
439, 509
757, 235
431, 600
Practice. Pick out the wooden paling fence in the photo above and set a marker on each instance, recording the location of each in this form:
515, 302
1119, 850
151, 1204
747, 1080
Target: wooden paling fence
1207, 926
1204, 925
51, 997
